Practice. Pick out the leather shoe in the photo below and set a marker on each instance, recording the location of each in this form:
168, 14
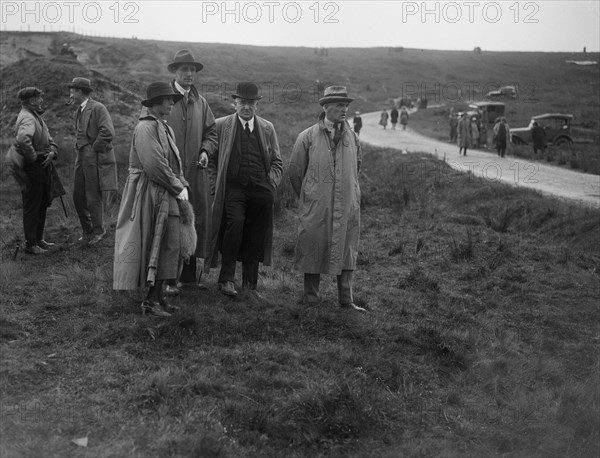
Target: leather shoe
192, 285
353, 306
96, 239
153, 309
228, 288
45, 245
172, 290
85, 238
35, 249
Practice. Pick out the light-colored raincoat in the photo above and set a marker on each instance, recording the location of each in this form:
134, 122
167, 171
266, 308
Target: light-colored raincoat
149, 209
325, 178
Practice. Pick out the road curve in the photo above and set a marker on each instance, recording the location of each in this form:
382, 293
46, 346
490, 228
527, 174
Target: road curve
581, 187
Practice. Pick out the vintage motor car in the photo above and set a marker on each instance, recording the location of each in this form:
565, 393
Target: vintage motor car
556, 125
489, 110
505, 92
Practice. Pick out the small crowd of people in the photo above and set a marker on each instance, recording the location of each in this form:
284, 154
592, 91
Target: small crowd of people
393, 116
198, 188
472, 132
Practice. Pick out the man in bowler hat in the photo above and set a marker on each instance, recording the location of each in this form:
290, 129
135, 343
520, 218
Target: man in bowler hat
95, 164
196, 136
245, 173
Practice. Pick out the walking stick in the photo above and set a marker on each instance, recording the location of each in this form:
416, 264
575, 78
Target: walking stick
63, 206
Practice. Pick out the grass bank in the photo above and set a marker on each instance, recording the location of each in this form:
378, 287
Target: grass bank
480, 338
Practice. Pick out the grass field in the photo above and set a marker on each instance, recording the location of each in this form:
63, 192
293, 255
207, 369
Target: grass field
481, 337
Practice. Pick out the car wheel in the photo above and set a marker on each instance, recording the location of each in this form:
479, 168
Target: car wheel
517, 141
562, 142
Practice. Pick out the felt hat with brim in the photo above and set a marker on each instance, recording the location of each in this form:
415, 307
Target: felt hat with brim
184, 57
335, 94
246, 90
156, 90
28, 92
81, 83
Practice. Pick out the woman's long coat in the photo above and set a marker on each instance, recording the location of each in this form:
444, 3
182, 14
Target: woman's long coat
325, 178
149, 208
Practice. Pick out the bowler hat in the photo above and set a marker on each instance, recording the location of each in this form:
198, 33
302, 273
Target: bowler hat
28, 92
246, 90
184, 57
160, 89
335, 94
81, 83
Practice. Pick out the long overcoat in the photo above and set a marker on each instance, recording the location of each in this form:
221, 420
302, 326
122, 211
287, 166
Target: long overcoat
194, 126
325, 178
217, 168
98, 127
464, 133
147, 206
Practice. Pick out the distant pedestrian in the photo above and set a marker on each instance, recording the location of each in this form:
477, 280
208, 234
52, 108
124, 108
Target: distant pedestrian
357, 122
474, 132
383, 120
464, 134
394, 117
453, 127
95, 164
328, 209
404, 117
538, 137
502, 135
31, 161
483, 134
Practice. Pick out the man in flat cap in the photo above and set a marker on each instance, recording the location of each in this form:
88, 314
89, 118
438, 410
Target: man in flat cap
95, 165
196, 136
244, 175
35, 150
323, 171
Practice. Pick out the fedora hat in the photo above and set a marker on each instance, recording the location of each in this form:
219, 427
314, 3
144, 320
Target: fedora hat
28, 92
160, 89
248, 91
184, 57
81, 83
335, 94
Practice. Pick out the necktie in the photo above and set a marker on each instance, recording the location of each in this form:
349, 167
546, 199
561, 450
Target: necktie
247, 129
77, 116
337, 133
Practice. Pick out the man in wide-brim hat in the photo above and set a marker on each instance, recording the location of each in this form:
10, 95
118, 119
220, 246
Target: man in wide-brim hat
329, 202
148, 241
193, 122
95, 163
245, 173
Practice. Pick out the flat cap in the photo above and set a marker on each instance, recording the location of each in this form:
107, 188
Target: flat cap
28, 92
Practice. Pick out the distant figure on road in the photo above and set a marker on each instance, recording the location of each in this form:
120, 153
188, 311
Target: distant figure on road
483, 134
357, 122
384, 118
538, 136
474, 132
453, 127
394, 117
328, 209
403, 117
464, 134
502, 135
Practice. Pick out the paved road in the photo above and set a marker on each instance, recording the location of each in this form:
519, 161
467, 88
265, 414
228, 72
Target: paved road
581, 187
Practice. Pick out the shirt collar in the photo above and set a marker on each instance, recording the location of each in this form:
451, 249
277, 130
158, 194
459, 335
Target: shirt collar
181, 89
250, 123
83, 104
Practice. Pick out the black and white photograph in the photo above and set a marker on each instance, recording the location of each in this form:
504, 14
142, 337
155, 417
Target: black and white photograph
272, 229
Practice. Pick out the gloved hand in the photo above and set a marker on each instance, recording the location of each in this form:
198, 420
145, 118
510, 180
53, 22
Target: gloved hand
203, 159
183, 195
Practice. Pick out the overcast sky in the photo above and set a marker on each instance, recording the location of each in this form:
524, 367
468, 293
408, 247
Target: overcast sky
500, 25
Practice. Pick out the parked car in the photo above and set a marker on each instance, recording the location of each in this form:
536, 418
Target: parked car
556, 125
489, 110
505, 92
